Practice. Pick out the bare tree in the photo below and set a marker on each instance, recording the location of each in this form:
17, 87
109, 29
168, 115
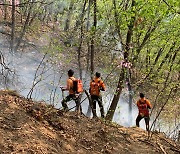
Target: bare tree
93, 38
81, 39
37, 78
24, 26
13, 25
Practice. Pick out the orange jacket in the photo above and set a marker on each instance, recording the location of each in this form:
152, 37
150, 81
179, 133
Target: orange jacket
70, 85
143, 106
96, 85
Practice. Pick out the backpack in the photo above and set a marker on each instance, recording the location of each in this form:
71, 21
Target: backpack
95, 88
77, 86
143, 108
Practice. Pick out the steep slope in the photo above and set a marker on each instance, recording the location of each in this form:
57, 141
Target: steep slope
34, 127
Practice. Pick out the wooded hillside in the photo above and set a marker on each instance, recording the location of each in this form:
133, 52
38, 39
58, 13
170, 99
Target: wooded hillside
133, 43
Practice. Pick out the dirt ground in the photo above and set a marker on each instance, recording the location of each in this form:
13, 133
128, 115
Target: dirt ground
36, 128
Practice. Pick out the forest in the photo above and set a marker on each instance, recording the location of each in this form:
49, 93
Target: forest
135, 45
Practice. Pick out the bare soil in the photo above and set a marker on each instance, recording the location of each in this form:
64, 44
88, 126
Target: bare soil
37, 128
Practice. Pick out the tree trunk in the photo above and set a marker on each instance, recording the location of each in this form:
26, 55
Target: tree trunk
119, 88
128, 41
79, 21
5, 10
116, 97
87, 29
115, 100
89, 54
81, 40
67, 22
24, 27
93, 38
13, 26
130, 97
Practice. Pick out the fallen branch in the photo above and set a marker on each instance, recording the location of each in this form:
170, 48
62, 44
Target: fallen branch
161, 147
175, 150
146, 141
174, 146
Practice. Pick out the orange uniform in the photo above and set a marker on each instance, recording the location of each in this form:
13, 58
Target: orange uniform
70, 85
143, 106
96, 85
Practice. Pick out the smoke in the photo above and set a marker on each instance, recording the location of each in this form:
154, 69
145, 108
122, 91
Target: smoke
50, 78
25, 65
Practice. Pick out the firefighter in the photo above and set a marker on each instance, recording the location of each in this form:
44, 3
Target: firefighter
97, 85
143, 105
72, 94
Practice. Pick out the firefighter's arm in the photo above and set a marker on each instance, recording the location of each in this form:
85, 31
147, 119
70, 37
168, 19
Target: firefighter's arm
67, 87
103, 87
137, 103
149, 104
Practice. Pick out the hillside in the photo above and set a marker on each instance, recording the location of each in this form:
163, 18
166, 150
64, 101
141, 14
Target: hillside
34, 127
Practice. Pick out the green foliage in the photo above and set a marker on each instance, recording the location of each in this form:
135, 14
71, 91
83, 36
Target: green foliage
154, 42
